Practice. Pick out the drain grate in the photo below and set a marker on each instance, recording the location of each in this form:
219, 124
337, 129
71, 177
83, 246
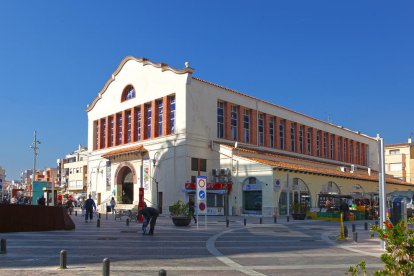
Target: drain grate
107, 238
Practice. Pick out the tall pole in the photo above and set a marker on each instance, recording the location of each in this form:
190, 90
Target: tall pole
287, 195
35, 148
381, 183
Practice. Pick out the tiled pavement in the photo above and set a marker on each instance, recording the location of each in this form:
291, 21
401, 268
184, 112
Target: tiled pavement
285, 248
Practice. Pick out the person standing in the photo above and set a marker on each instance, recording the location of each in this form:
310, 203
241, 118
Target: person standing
113, 204
191, 208
89, 206
41, 201
150, 214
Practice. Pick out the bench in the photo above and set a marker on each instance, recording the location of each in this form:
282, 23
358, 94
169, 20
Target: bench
132, 215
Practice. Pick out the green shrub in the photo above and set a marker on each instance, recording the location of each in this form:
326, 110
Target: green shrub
179, 209
399, 246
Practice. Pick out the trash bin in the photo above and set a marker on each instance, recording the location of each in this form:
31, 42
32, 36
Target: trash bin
108, 208
398, 210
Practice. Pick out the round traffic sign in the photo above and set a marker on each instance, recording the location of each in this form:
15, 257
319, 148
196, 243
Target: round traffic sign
202, 206
201, 194
201, 183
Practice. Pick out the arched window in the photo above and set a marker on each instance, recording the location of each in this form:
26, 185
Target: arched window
129, 93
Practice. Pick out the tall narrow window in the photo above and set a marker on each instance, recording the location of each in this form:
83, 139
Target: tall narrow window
332, 140
112, 131
325, 145
340, 148
345, 149
96, 140
119, 126
292, 137
160, 113
351, 151
138, 120
149, 120
282, 134
172, 114
246, 125
129, 127
357, 157
103, 141
234, 121
220, 119
318, 143
309, 141
271, 133
261, 129
301, 130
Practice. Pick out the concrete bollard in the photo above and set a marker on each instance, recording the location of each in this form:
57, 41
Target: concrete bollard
227, 223
105, 267
274, 219
98, 223
366, 225
355, 236
162, 272
76, 212
260, 220
63, 258
353, 227
244, 221
127, 222
3, 246
287, 218
99, 215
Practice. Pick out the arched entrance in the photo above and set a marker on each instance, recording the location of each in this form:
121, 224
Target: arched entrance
252, 196
330, 188
299, 193
125, 185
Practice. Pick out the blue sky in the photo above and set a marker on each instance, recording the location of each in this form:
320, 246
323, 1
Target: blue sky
350, 60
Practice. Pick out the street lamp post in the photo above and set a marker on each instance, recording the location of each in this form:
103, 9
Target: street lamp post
35, 148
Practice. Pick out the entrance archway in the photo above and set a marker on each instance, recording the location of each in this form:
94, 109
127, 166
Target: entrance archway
252, 196
298, 193
125, 185
330, 188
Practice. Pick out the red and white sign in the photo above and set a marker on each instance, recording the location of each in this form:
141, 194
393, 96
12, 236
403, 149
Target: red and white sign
201, 192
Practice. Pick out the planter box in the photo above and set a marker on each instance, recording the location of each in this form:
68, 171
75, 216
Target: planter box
299, 216
181, 221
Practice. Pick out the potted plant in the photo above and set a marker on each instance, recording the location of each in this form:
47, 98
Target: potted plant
180, 213
299, 211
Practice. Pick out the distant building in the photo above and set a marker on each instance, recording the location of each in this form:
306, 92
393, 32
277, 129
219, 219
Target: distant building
2, 182
76, 170
399, 160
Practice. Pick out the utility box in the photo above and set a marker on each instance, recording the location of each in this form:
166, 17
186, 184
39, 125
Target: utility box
398, 210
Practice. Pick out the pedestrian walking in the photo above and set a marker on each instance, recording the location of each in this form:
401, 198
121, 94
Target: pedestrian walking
113, 204
89, 206
41, 201
191, 208
150, 215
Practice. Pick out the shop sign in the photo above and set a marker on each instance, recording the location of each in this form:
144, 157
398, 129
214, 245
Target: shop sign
201, 191
252, 187
146, 169
277, 184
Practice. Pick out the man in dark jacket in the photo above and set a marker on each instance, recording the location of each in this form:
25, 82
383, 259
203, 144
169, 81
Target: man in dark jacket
150, 214
88, 206
344, 208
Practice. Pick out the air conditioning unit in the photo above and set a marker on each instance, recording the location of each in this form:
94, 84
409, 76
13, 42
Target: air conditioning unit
343, 169
369, 171
353, 168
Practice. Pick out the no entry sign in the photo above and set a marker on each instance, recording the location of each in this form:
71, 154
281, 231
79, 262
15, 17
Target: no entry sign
201, 195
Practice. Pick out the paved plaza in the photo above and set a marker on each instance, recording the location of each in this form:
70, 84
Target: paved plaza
285, 248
